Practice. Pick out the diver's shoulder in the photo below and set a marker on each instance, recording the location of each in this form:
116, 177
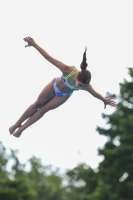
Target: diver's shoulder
70, 68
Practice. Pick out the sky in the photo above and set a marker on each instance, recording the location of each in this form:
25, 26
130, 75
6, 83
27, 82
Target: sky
67, 135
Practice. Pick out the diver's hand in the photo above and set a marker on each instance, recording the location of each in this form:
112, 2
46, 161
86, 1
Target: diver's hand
30, 41
109, 101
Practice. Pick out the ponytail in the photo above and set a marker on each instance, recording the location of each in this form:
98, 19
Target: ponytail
84, 64
84, 75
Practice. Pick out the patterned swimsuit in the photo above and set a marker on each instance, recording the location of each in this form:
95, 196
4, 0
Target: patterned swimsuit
64, 80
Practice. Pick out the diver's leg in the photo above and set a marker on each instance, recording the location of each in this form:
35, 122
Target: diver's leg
46, 94
50, 105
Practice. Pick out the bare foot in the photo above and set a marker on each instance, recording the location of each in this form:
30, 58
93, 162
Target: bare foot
12, 129
18, 133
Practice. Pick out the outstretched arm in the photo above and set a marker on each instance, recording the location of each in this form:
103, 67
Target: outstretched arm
57, 63
99, 96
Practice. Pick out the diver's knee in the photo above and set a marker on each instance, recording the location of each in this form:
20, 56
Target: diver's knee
37, 105
44, 110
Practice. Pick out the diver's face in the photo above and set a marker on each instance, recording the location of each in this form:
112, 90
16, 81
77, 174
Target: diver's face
80, 85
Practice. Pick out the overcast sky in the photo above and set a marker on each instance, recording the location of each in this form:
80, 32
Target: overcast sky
67, 135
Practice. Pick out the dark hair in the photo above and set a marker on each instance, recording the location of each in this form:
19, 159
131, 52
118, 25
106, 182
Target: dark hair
84, 75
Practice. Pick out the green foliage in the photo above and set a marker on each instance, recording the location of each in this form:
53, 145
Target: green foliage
18, 189
116, 171
40, 183
82, 181
3, 161
12, 184
48, 186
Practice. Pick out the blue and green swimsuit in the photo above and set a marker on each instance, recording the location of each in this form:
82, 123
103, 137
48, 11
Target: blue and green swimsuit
64, 80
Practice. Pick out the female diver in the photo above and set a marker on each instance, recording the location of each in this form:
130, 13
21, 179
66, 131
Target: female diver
58, 91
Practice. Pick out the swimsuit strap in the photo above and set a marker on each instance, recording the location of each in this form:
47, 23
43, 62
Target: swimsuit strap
64, 79
71, 73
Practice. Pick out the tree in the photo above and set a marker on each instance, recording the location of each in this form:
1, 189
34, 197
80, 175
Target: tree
12, 184
40, 183
3, 161
45, 181
82, 182
116, 171
18, 189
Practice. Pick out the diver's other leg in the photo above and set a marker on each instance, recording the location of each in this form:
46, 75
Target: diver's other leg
50, 105
46, 94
